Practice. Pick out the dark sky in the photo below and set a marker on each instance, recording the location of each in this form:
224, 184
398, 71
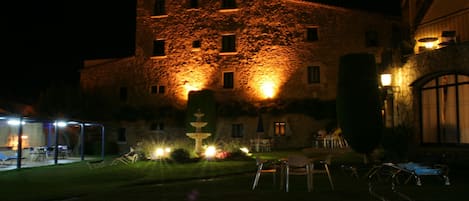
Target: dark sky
46, 41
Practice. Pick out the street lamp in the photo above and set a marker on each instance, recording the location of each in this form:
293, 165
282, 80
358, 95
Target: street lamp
388, 96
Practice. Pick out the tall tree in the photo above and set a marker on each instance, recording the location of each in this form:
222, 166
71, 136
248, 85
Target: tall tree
358, 103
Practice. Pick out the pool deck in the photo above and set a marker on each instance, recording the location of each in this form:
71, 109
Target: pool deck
26, 163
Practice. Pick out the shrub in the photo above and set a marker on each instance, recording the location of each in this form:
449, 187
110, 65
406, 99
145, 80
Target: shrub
180, 155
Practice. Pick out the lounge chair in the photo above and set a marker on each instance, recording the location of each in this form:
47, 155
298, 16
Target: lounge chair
4, 158
128, 158
95, 164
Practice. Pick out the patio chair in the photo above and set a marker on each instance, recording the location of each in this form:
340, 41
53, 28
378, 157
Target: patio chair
128, 158
299, 165
322, 170
266, 166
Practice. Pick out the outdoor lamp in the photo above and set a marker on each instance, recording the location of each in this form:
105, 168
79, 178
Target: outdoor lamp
386, 80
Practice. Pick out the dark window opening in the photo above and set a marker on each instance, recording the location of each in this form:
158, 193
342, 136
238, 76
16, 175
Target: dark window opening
123, 93
121, 135
196, 44
158, 48
228, 4
159, 8
161, 89
371, 39
154, 89
228, 43
193, 3
312, 34
228, 80
157, 126
313, 74
237, 130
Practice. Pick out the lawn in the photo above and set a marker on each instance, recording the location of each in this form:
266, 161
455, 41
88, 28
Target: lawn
207, 180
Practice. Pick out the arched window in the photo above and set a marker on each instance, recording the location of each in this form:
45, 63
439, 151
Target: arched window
445, 109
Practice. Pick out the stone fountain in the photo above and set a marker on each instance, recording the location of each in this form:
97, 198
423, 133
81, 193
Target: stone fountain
198, 135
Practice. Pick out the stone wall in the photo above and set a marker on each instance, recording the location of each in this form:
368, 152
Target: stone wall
271, 46
417, 71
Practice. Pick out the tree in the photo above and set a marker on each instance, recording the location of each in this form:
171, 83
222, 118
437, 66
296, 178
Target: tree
358, 103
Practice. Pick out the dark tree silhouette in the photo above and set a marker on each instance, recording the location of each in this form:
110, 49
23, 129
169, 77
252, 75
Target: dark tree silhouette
358, 103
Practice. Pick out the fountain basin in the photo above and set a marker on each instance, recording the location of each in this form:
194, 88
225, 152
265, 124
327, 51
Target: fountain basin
198, 135
198, 124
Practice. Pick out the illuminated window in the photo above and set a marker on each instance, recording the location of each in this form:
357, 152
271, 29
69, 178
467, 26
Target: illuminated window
158, 48
228, 80
371, 38
444, 107
228, 43
123, 93
121, 135
193, 3
237, 130
196, 44
159, 8
313, 74
279, 128
228, 4
312, 34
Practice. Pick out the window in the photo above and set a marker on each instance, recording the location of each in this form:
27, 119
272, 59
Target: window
371, 39
159, 8
193, 3
157, 126
123, 94
157, 89
228, 43
161, 89
279, 128
445, 110
158, 48
228, 80
312, 34
121, 135
228, 4
237, 130
196, 44
313, 74
154, 89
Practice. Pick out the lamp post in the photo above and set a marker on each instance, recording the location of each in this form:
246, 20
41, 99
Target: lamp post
388, 94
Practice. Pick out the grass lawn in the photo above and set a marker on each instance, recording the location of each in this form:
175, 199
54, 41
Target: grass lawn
208, 180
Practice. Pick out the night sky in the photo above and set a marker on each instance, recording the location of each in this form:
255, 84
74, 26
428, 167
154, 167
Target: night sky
46, 41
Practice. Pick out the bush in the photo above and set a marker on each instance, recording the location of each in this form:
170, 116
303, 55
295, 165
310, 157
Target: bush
238, 156
180, 155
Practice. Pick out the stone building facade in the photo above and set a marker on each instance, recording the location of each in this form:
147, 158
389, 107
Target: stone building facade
258, 52
430, 89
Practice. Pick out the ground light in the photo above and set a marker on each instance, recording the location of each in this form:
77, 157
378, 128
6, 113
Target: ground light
210, 152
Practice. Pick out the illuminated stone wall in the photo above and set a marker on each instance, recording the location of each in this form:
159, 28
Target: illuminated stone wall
417, 71
272, 52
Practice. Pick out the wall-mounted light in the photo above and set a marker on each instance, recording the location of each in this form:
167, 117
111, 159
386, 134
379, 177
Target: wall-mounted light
429, 42
386, 80
60, 124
